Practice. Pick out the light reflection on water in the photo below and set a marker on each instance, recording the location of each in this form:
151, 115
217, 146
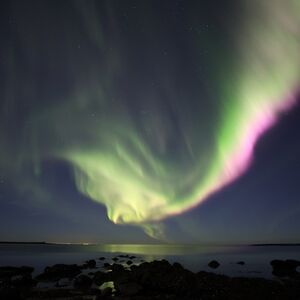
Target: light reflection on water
193, 257
164, 249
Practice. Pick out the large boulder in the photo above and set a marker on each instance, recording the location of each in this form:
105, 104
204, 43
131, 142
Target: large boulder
285, 268
116, 268
106, 266
101, 277
213, 264
91, 264
161, 276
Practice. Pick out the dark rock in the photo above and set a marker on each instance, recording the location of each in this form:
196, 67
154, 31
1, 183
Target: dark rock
161, 276
63, 282
117, 268
132, 257
128, 289
209, 284
102, 258
129, 262
285, 268
157, 280
54, 293
134, 267
106, 292
84, 266
4, 282
82, 282
178, 266
8, 272
23, 281
91, 264
115, 259
101, 277
240, 263
213, 264
106, 265
59, 271
9, 293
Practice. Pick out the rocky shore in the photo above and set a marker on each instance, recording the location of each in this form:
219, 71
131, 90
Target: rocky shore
126, 277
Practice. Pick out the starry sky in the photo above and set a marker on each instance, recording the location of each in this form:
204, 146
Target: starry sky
150, 121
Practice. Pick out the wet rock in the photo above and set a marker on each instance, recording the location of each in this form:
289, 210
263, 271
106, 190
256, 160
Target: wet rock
213, 264
115, 259
59, 271
128, 289
129, 262
102, 258
106, 265
132, 257
91, 264
82, 282
117, 268
240, 263
285, 268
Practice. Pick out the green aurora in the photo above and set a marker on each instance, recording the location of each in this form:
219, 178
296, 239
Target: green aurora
165, 156
137, 186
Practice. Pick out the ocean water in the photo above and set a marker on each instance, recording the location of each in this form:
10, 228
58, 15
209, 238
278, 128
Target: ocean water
195, 258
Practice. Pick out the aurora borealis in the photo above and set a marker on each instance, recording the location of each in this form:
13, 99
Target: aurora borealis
153, 107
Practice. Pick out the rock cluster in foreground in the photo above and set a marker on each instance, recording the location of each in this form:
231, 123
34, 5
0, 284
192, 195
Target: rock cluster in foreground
148, 280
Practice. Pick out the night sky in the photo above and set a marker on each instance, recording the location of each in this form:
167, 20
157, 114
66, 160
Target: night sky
151, 121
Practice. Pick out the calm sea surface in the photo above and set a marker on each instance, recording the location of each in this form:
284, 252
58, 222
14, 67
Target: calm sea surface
195, 258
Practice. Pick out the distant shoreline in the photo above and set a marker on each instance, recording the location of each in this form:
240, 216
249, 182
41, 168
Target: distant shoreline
51, 243
283, 244
30, 243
